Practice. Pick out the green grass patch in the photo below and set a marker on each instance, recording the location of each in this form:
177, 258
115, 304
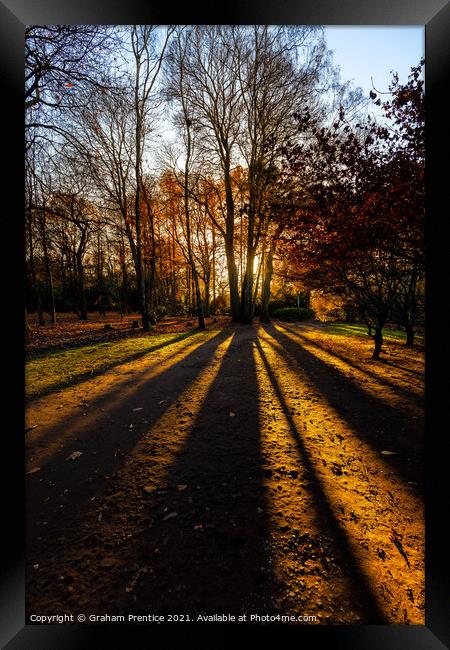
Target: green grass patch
344, 329
50, 371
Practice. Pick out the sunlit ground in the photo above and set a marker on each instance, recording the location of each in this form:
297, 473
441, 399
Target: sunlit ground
287, 435
366, 502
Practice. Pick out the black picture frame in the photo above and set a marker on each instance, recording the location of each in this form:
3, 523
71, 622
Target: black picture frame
435, 16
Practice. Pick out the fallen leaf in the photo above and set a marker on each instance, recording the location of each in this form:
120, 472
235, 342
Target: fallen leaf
388, 453
74, 455
170, 516
139, 408
232, 415
180, 488
34, 470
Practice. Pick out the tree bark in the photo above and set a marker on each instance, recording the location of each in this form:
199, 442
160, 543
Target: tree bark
229, 241
83, 314
213, 270
48, 272
232, 281
378, 339
40, 310
409, 335
265, 291
378, 336
200, 313
27, 326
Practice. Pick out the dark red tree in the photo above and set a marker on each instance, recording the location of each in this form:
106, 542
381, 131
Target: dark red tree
358, 229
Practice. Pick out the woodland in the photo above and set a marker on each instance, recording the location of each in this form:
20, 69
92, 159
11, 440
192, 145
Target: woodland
224, 326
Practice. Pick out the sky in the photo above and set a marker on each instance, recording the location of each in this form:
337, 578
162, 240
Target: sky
365, 52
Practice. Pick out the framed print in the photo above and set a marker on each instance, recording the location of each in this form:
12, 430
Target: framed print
226, 233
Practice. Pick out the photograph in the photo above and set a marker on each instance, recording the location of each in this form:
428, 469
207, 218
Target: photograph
224, 262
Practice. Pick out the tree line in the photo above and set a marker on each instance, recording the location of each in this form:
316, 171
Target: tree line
175, 169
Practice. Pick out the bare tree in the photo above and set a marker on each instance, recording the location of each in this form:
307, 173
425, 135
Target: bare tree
181, 90
208, 68
60, 62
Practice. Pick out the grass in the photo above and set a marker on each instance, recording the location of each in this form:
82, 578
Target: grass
49, 371
344, 329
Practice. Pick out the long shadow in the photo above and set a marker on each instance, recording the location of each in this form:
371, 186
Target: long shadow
395, 365
102, 402
336, 330
409, 394
210, 557
359, 583
371, 419
63, 491
77, 379
394, 341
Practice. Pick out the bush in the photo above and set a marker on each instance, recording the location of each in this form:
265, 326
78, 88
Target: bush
335, 314
280, 303
293, 313
161, 311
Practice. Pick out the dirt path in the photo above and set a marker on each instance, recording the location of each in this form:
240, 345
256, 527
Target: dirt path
239, 471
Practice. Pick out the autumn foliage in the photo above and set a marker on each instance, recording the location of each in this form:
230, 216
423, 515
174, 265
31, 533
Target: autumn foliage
359, 227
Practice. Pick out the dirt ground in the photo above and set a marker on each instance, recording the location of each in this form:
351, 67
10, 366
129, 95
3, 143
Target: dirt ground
271, 469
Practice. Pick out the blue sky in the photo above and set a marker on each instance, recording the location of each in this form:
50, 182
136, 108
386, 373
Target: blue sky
365, 52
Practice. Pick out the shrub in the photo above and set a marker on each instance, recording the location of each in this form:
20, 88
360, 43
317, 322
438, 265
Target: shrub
161, 311
335, 314
293, 313
280, 304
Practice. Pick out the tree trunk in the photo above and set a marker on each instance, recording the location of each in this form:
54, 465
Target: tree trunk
48, 272
247, 289
35, 288
233, 282
247, 284
125, 283
40, 310
173, 274
409, 311
409, 335
256, 288
52, 296
150, 289
201, 317
213, 271
378, 339
188, 291
27, 326
265, 291
137, 210
207, 296
81, 293
229, 243
143, 301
